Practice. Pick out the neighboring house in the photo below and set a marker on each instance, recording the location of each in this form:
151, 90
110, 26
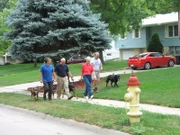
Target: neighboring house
111, 53
6, 58
136, 41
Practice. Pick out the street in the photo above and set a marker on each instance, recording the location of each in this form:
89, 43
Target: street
15, 121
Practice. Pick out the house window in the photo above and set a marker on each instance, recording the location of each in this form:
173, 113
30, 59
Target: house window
108, 54
172, 50
136, 33
172, 31
175, 50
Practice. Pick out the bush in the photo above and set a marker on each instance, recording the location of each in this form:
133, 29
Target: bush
8, 63
155, 44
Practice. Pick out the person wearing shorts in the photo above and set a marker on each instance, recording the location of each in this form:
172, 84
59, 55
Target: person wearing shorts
97, 64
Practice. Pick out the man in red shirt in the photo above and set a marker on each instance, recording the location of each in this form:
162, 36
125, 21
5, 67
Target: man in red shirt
87, 72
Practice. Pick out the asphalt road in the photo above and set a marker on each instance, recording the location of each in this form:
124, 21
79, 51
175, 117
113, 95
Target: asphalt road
15, 121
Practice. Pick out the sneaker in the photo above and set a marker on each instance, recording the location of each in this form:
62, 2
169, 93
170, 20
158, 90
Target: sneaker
69, 98
92, 96
86, 97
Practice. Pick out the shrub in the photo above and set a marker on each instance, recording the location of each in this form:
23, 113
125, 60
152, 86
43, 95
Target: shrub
155, 44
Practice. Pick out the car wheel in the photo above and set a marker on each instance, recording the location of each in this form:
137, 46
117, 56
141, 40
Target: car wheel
171, 63
147, 66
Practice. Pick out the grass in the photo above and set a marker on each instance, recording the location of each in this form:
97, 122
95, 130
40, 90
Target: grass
107, 117
160, 87
24, 73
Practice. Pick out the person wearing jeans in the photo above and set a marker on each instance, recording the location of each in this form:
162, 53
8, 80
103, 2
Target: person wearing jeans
47, 76
87, 72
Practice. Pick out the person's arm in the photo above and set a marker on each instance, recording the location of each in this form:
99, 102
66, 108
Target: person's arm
41, 77
93, 73
54, 76
81, 73
41, 74
70, 75
101, 66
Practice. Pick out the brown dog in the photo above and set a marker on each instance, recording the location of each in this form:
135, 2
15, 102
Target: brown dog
34, 93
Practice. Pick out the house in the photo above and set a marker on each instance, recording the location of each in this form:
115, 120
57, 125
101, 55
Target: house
136, 41
112, 53
6, 58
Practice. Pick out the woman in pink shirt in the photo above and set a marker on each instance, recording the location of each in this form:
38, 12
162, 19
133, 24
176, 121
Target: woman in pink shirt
87, 72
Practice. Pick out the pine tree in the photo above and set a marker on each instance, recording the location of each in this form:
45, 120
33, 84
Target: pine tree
55, 28
155, 44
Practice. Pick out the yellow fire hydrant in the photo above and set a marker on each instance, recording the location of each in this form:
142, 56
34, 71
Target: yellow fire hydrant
133, 98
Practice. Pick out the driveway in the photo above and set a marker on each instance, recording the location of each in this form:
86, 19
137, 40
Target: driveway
15, 121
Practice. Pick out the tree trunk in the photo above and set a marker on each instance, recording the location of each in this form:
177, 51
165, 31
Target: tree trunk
101, 56
55, 61
35, 63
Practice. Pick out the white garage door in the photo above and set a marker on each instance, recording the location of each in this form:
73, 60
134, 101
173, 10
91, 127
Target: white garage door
127, 53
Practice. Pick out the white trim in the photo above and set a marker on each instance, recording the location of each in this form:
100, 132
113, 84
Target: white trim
120, 38
133, 34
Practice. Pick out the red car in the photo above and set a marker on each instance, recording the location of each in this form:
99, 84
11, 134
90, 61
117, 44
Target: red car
151, 59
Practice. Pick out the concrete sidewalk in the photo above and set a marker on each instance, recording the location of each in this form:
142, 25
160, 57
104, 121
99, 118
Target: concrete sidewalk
122, 104
22, 87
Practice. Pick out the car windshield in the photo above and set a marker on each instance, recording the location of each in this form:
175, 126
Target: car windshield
140, 55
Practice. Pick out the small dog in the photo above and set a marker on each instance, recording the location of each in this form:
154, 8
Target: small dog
34, 93
114, 79
54, 90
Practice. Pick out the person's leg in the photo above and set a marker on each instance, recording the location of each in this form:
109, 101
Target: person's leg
50, 90
85, 79
60, 86
95, 89
88, 84
66, 87
46, 88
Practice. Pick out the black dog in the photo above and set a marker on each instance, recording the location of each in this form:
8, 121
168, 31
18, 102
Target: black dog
71, 89
114, 79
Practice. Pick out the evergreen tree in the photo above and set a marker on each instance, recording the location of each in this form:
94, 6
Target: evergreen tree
155, 44
55, 28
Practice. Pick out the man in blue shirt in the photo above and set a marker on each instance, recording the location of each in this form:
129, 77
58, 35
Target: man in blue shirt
62, 72
47, 75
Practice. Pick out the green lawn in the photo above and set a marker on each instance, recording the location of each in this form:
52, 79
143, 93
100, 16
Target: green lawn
24, 73
107, 117
159, 87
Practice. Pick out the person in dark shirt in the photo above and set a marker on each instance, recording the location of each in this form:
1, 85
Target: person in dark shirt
47, 76
62, 72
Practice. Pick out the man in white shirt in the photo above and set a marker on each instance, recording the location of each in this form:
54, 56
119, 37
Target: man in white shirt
97, 64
